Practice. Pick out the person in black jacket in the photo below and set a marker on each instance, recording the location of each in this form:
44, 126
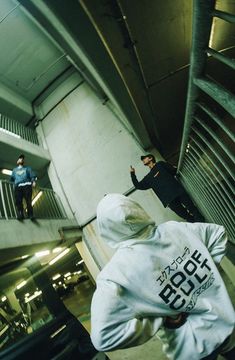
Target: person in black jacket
161, 179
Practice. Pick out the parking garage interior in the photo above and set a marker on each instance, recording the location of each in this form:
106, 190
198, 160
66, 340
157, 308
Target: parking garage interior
86, 88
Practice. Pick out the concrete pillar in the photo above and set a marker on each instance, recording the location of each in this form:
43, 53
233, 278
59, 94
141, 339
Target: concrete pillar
13, 301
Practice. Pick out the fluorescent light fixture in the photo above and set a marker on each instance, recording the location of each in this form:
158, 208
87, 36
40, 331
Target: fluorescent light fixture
80, 262
57, 249
68, 274
4, 330
24, 256
36, 197
6, 172
10, 133
58, 331
212, 34
3, 298
69, 277
36, 294
26, 295
79, 272
21, 284
42, 253
57, 276
58, 257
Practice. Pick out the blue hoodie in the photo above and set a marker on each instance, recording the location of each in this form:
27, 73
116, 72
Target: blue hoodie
22, 175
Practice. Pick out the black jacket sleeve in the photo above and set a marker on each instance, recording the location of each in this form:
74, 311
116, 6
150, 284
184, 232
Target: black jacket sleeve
142, 184
171, 169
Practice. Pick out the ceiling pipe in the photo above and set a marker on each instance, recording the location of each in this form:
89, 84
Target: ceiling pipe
130, 44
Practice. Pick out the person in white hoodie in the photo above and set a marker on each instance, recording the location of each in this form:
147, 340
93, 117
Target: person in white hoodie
162, 280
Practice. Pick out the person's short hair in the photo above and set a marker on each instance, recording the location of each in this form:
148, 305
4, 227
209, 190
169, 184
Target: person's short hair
148, 155
21, 156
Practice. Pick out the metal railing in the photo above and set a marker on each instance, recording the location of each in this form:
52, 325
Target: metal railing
206, 164
15, 128
46, 203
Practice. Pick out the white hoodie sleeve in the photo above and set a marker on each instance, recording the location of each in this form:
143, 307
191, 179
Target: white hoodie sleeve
213, 236
114, 324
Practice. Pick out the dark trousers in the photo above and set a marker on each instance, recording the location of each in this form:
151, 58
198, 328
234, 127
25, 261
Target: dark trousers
185, 208
230, 355
24, 192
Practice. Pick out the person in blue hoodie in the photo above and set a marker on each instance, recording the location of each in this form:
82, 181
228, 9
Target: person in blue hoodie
24, 180
162, 280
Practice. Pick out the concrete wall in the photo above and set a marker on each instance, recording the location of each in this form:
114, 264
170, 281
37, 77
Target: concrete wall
91, 151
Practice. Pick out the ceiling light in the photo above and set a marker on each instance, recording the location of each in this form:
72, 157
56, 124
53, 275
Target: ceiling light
37, 293
21, 284
80, 262
58, 257
57, 249
3, 298
68, 278
57, 276
66, 275
26, 295
24, 256
36, 197
212, 33
58, 331
42, 253
6, 172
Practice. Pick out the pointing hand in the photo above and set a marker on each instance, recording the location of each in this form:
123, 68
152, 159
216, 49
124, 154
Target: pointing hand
132, 170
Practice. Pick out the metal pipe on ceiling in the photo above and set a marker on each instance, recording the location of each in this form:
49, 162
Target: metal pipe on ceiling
202, 22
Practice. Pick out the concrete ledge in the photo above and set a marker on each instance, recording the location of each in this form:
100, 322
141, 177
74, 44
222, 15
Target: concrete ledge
10, 147
229, 269
14, 233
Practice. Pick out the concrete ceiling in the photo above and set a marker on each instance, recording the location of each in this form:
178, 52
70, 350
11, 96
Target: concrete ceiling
30, 60
150, 43
140, 63
135, 52
15, 270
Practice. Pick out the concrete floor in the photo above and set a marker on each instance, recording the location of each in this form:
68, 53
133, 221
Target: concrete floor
79, 304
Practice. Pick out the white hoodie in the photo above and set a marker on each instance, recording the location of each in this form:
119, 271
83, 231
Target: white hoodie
159, 271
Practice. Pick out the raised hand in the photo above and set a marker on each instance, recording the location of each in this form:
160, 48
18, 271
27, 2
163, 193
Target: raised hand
132, 169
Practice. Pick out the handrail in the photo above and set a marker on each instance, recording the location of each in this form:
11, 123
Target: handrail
92, 218
210, 112
46, 203
18, 130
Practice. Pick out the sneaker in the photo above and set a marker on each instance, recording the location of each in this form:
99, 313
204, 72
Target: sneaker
20, 217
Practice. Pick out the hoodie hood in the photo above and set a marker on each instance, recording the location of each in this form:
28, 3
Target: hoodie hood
119, 219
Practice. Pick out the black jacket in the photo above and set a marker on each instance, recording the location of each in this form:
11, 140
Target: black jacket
161, 179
